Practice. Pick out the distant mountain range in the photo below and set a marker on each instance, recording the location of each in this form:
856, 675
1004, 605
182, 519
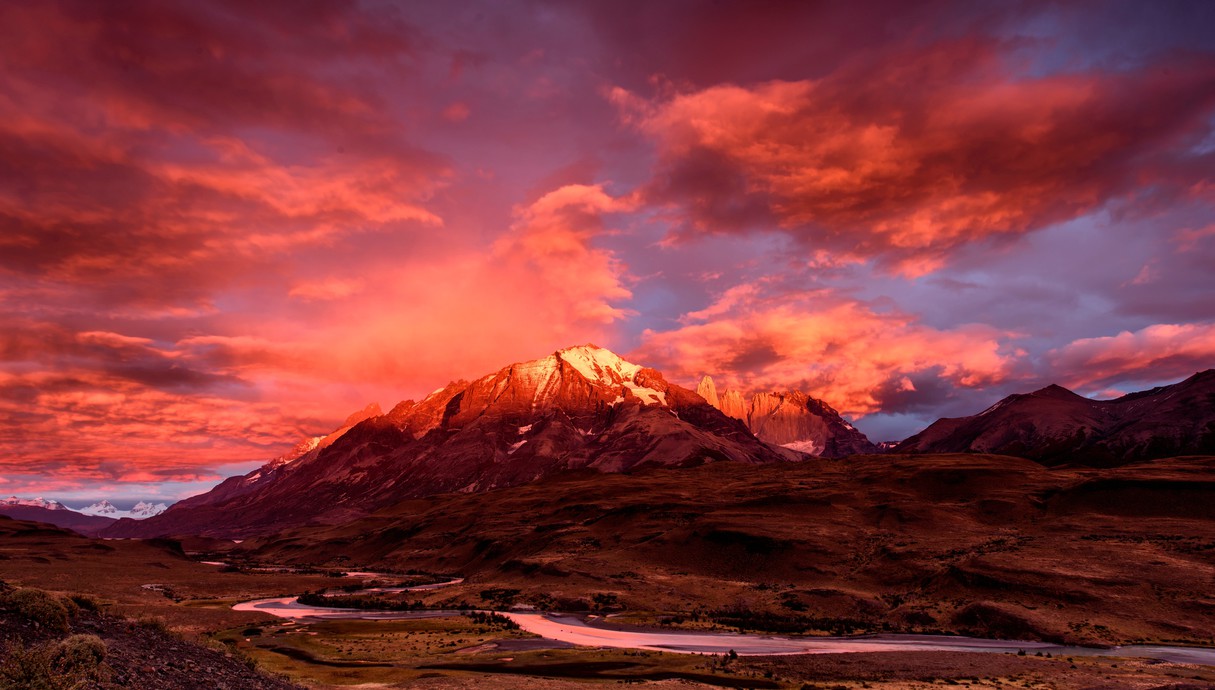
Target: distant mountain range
88, 521
40, 502
1055, 426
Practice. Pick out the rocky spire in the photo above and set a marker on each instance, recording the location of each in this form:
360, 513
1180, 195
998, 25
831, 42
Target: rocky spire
708, 391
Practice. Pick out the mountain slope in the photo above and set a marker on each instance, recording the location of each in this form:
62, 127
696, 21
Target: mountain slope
1055, 426
580, 407
790, 419
993, 545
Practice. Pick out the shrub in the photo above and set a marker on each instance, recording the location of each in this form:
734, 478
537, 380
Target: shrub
500, 597
80, 654
493, 620
154, 624
30, 669
65, 665
85, 602
39, 608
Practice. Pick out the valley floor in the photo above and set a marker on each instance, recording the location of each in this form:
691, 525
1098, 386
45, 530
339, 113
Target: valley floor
996, 547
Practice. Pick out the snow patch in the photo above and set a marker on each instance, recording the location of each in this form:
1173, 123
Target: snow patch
993, 408
515, 446
647, 396
598, 364
808, 447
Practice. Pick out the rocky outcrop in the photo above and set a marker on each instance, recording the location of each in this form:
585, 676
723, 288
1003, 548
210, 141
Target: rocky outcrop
790, 419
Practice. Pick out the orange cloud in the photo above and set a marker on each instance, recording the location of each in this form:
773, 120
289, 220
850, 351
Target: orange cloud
552, 237
840, 350
327, 289
1158, 352
426, 322
85, 425
907, 161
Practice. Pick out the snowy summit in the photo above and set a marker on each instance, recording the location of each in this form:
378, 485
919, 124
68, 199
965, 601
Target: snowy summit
141, 510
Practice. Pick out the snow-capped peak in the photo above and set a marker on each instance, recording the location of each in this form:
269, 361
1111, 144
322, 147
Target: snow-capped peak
141, 510
600, 365
300, 450
103, 508
145, 509
38, 502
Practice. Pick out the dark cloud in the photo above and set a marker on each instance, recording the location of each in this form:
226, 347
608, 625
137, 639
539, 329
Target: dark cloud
753, 356
904, 161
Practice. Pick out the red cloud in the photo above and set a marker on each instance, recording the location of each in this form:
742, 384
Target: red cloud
83, 425
463, 313
155, 153
1155, 353
837, 349
906, 160
99, 405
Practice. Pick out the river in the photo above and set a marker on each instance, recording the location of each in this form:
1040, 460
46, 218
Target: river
595, 632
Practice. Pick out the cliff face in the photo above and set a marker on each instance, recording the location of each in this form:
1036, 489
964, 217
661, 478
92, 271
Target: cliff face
790, 419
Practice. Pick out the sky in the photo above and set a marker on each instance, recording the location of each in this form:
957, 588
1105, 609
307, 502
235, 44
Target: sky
224, 226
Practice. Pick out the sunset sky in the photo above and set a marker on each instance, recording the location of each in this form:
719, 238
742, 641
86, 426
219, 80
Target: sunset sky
226, 225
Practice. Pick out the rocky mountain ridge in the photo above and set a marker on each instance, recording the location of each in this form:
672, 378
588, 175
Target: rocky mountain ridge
790, 419
1054, 426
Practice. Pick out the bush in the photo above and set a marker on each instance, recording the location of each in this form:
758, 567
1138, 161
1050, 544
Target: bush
500, 597
85, 602
364, 602
493, 620
65, 665
154, 624
80, 654
39, 608
30, 669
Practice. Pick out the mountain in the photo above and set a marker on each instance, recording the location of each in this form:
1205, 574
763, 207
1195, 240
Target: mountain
143, 509
1056, 426
52, 513
139, 511
265, 475
39, 502
580, 407
791, 419
88, 521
